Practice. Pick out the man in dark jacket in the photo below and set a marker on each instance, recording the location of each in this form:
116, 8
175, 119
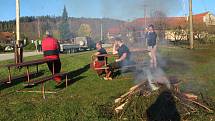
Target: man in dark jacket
123, 53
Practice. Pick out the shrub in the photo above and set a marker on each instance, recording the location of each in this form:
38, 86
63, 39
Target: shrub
1, 48
30, 46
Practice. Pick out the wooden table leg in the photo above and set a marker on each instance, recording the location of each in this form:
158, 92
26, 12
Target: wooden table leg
53, 68
66, 80
43, 90
37, 69
28, 76
9, 75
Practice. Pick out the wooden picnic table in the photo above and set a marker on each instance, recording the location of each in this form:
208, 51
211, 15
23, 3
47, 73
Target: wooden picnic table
27, 64
42, 80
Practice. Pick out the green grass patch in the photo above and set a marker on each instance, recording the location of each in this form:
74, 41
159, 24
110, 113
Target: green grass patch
89, 98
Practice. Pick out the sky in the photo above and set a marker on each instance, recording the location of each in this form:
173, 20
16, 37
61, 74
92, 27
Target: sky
118, 9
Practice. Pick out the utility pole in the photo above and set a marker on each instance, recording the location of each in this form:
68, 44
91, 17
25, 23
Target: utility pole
101, 31
18, 51
145, 15
145, 23
38, 27
191, 24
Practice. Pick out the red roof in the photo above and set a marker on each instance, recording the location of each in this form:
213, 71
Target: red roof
170, 22
176, 21
198, 18
114, 30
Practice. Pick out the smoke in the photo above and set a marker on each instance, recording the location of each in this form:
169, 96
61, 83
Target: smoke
151, 75
130, 9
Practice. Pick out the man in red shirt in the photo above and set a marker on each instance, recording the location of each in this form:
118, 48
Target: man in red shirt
51, 50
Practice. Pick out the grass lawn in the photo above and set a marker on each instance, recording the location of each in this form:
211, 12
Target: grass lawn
88, 97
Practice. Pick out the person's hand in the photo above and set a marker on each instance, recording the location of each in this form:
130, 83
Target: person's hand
94, 64
117, 60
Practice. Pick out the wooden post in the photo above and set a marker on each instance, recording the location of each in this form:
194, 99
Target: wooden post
17, 51
28, 76
191, 24
37, 69
9, 77
66, 80
53, 67
43, 90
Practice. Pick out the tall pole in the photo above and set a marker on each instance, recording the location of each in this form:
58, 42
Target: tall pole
191, 24
17, 50
101, 31
17, 22
145, 16
38, 27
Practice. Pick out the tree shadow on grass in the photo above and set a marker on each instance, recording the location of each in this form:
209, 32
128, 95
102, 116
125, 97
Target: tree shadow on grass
19, 79
164, 108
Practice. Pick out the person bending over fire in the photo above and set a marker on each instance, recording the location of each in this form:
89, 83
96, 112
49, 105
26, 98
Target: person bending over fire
99, 60
151, 37
124, 57
51, 50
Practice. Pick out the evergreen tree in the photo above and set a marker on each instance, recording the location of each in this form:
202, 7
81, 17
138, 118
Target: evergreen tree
65, 14
64, 30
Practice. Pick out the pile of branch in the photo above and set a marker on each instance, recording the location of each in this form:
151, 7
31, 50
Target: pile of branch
189, 103
123, 99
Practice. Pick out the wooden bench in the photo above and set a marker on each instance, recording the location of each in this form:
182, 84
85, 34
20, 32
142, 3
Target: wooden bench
42, 82
134, 51
17, 77
27, 64
106, 56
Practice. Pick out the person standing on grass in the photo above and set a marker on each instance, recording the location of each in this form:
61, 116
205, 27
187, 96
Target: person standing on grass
99, 61
151, 38
123, 53
39, 45
51, 50
36, 45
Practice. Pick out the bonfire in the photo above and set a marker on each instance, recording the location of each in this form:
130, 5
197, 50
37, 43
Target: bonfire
170, 104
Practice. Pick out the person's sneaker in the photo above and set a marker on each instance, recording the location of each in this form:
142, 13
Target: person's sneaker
108, 78
105, 78
57, 79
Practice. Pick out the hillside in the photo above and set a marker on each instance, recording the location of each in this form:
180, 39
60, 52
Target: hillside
31, 25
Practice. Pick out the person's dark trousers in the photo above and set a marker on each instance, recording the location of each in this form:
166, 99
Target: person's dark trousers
57, 66
112, 67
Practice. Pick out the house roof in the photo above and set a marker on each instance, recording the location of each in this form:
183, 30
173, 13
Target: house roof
198, 18
114, 30
170, 21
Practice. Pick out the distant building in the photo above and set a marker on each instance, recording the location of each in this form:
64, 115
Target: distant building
170, 24
112, 32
